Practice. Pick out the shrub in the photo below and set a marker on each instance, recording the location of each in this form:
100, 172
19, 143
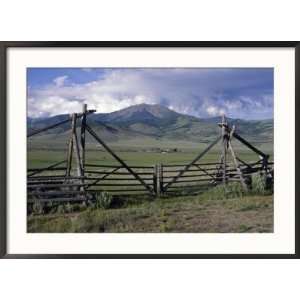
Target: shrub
222, 192
37, 207
61, 209
103, 200
259, 184
235, 190
76, 207
68, 208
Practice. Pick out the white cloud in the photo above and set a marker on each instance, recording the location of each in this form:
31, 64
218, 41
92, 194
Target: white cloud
233, 104
60, 81
190, 91
113, 92
215, 111
52, 106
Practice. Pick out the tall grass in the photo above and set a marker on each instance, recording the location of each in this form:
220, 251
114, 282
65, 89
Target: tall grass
103, 200
235, 189
222, 191
261, 184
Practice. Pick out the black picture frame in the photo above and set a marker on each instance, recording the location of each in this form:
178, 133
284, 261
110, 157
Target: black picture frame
4, 46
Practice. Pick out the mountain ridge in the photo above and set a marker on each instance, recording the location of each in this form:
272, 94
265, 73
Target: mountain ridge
160, 122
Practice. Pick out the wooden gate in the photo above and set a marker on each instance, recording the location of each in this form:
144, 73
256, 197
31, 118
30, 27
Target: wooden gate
197, 177
57, 183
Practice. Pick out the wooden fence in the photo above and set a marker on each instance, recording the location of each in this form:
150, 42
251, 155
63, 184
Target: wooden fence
51, 184
59, 183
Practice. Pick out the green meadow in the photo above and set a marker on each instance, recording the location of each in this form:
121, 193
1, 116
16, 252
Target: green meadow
210, 211
145, 152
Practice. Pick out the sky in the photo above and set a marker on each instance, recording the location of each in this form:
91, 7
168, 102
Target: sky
246, 93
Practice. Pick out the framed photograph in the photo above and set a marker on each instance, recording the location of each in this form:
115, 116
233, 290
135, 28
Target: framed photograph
149, 149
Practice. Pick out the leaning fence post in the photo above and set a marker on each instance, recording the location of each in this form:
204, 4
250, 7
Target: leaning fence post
82, 143
225, 146
70, 147
155, 179
82, 138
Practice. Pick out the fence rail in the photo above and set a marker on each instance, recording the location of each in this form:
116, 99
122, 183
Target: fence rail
118, 181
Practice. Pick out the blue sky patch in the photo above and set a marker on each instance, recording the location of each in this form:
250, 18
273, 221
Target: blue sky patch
246, 93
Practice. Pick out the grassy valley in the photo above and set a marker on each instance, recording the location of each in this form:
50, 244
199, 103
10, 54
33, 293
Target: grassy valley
146, 135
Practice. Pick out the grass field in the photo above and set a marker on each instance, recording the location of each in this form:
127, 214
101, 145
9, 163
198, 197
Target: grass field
141, 152
204, 212
200, 214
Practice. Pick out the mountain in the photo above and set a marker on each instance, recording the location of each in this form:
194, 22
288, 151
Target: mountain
145, 113
160, 122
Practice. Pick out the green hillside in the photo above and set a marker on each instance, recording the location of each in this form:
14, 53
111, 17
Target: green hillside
151, 125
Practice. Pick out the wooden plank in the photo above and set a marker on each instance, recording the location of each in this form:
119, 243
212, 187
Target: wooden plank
147, 186
87, 179
158, 175
114, 166
193, 180
243, 162
198, 186
161, 179
114, 171
212, 175
155, 180
95, 191
56, 124
71, 147
77, 150
121, 184
82, 142
204, 171
202, 164
117, 173
102, 178
60, 193
52, 169
219, 168
193, 162
243, 141
53, 177
53, 200
242, 180
225, 137
78, 159
45, 182
117, 179
47, 128
82, 137
190, 170
126, 191
224, 163
37, 171
48, 186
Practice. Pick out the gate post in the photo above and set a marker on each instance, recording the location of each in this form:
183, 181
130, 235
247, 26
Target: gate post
82, 138
155, 179
161, 181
